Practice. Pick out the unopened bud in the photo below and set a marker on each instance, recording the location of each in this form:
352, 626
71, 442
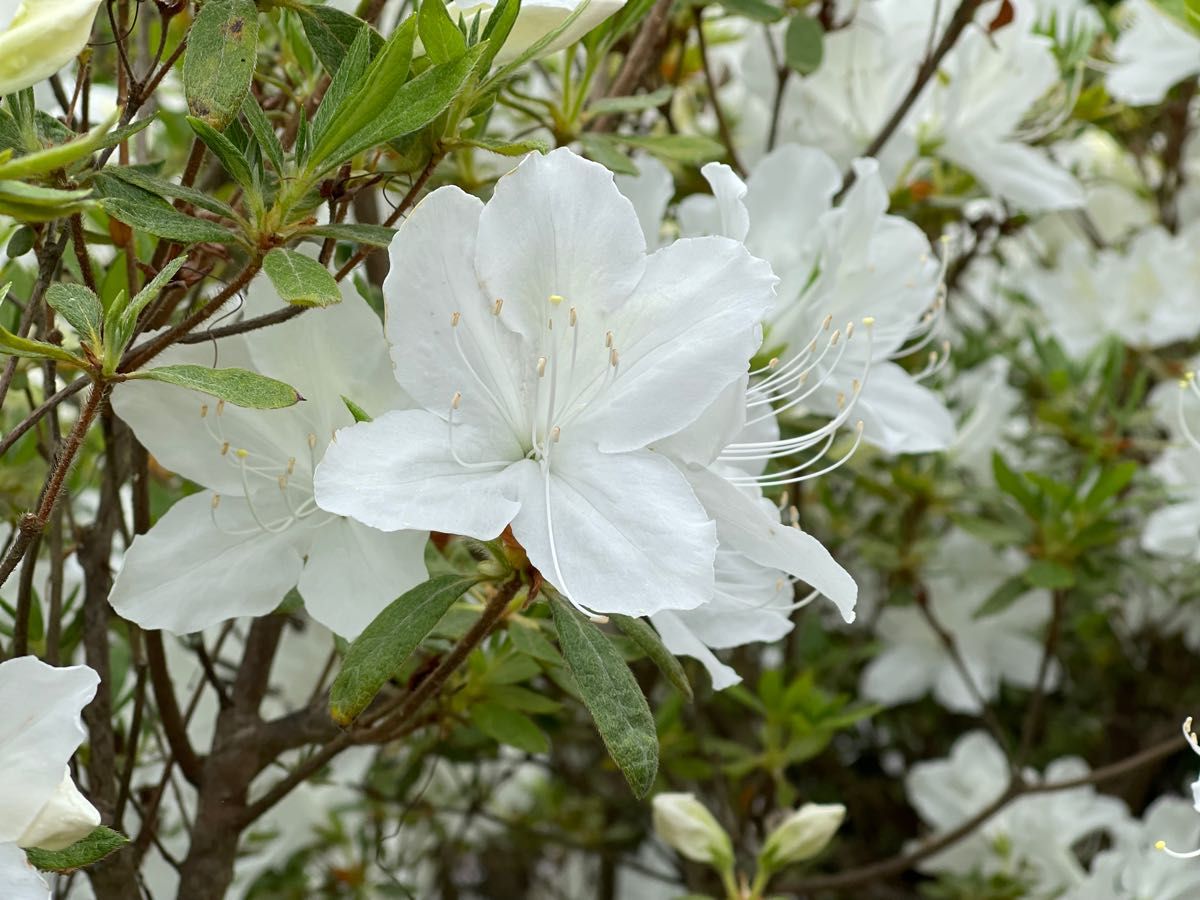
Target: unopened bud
686, 824
802, 835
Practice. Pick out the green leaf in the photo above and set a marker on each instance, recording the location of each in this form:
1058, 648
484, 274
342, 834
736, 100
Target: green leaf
1045, 573
804, 44
506, 726
240, 387
233, 160
523, 699
530, 641
499, 26
161, 187
346, 82
508, 148
685, 148
300, 280
32, 203
165, 221
219, 64
637, 103
441, 38
372, 235
651, 644
1015, 486
61, 156
1110, 482
359, 414
81, 307
150, 292
606, 150
331, 33
758, 10
378, 654
414, 106
264, 132
611, 695
1004, 596
93, 848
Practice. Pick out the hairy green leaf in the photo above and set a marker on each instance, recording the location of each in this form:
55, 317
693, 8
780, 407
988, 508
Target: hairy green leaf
241, 387
219, 64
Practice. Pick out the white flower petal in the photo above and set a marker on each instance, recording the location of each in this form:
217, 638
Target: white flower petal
21, 880
899, 674
352, 572
899, 414
186, 573
1151, 55
66, 818
398, 472
39, 732
679, 639
1022, 175
649, 191
688, 332
629, 536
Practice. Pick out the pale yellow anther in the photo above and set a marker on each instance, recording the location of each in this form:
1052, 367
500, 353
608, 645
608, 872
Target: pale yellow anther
778, 584
924, 258
855, 385
841, 399
291, 466
574, 317
613, 357
555, 434
283, 482
497, 306
225, 448
241, 452
868, 321
456, 401
608, 339
859, 425
220, 407
203, 410
455, 318
933, 357
556, 299
828, 321
773, 362
849, 330
312, 441
541, 367
1160, 845
837, 336
910, 284
216, 501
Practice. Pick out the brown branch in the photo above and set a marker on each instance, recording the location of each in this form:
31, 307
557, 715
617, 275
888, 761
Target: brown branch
638, 61
722, 125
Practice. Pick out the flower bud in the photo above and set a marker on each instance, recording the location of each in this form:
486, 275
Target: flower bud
802, 835
66, 818
683, 822
536, 19
39, 37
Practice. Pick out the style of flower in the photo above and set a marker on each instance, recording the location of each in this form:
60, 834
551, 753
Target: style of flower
39, 37
40, 806
538, 18
995, 649
839, 267
1034, 834
548, 352
1153, 53
256, 533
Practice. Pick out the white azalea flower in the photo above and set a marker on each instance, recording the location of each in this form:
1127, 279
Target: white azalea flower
838, 266
536, 19
548, 352
1174, 529
1153, 53
239, 547
990, 403
1133, 869
1000, 648
39, 37
39, 803
1033, 834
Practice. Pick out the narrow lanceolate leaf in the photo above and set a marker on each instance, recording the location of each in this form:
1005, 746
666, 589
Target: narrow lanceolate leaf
219, 64
300, 280
804, 44
379, 653
232, 159
58, 157
374, 235
161, 187
32, 203
165, 221
241, 387
507, 726
687, 148
264, 132
611, 695
440, 36
651, 644
93, 848
331, 32
80, 307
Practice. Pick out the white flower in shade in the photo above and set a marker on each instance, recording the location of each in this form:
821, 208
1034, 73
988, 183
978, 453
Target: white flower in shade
802, 835
1161, 843
838, 267
990, 403
1153, 53
1033, 835
685, 824
975, 114
1174, 529
39, 37
39, 803
1133, 869
995, 649
724, 456
237, 548
549, 352
536, 19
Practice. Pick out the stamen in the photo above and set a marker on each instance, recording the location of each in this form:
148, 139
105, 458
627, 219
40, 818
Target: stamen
497, 306
556, 299
203, 410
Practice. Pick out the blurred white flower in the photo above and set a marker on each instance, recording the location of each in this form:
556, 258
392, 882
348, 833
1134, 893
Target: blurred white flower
685, 824
39, 803
238, 548
1034, 834
545, 367
1153, 53
536, 19
995, 649
39, 37
802, 835
1134, 869
990, 402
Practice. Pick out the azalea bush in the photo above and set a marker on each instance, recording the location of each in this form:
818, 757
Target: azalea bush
605, 449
